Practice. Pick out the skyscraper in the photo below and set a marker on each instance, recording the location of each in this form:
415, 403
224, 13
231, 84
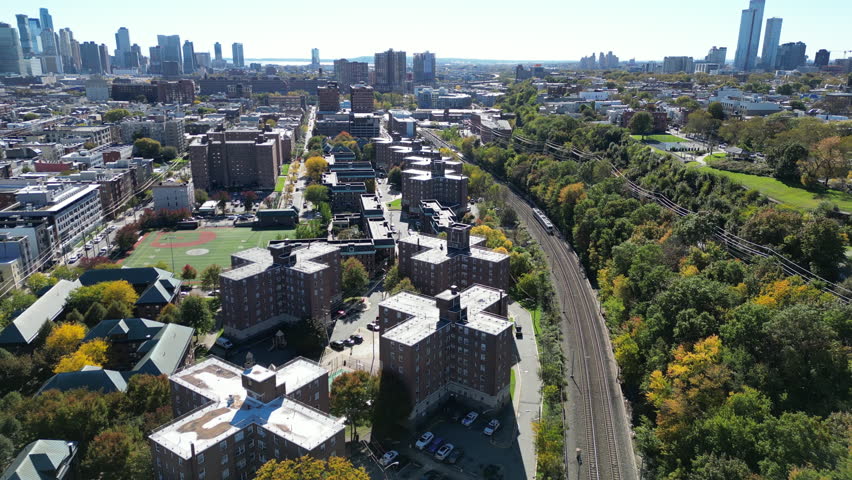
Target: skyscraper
90, 54
237, 55
771, 40
822, 57
749, 38
35, 35
11, 54
25, 40
103, 52
424, 67
170, 52
188, 57
46, 19
122, 47
315, 58
51, 60
390, 71
217, 51
791, 55
349, 73
717, 55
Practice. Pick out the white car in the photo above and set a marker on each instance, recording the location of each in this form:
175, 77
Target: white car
388, 458
469, 419
492, 427
444, 451
424, 440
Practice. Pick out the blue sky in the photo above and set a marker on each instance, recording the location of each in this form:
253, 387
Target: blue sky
496, 29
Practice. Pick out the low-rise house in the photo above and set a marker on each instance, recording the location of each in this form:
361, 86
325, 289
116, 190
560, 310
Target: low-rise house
20, 334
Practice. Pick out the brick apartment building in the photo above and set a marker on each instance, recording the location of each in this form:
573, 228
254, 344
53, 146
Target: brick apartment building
281, 283
458, 343
392, 152
329, 97
232, 420
433, 179
434, 264
243, 158
661, 120
361, 98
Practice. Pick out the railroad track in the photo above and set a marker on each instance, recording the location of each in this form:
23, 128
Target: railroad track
605, 439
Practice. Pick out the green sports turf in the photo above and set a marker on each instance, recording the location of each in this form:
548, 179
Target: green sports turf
219, 250
662, 138
396, 204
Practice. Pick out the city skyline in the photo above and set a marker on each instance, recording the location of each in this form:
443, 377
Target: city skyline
818, 25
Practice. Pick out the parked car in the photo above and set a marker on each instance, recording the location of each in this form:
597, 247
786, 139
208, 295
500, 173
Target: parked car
444, 451
388, 458
104, 250
349, 342
519, 331
492, 427
424, 440
435, 445
455, 456
224, 343
337, 345
374, 326
88, 246
73, 258
469, 419
356, 338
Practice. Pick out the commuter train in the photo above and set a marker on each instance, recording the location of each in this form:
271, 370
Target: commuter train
543, 220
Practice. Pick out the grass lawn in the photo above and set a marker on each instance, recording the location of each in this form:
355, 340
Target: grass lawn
214, 246
661, 138
536, 318
279, 184
396, 204
512, 382
791, 196
284, 169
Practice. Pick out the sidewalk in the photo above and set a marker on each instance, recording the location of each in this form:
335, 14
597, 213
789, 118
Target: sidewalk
527, 398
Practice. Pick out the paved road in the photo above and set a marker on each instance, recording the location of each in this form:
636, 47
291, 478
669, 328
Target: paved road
597, 419
527, 399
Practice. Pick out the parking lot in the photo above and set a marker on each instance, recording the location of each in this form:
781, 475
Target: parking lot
488, 457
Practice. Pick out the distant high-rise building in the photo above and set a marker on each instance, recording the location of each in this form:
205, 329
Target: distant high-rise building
424, 67
791, 55
188, 57
135, 58
361, 98
66, 51
217, 51
122, 47
24, 38
90, 54
717, 55
588, 63
349, 73
46, 19
611, 60
771, 40
237, 55
202, 60
11, 54
106, 62
51, 60
328, 97
822, 57
315, 58
749, 38
170, 52
35, 35
678, 64
155, 59
390, 71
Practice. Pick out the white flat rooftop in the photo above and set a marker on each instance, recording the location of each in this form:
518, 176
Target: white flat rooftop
261, 259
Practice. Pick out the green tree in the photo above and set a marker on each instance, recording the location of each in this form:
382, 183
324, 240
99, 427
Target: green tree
147, 148
641, 123
39, 282
784, 160
74, 317
119, 453
118, 310
309, 468
395, 178
822, 246
702, 123
716, 111
249, 197
392, 278
189, 272
316, 194
354, 277
115, 115
95, 314
222, 198
200, 196
404, 285
352, 397
15, 301
785, 89
168, 153
169, 314
194, 313
370, 185
66, 272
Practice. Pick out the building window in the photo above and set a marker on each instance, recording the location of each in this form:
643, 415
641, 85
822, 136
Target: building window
224, 459
200, 458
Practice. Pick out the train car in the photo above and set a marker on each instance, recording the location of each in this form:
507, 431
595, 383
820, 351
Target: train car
543, 220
